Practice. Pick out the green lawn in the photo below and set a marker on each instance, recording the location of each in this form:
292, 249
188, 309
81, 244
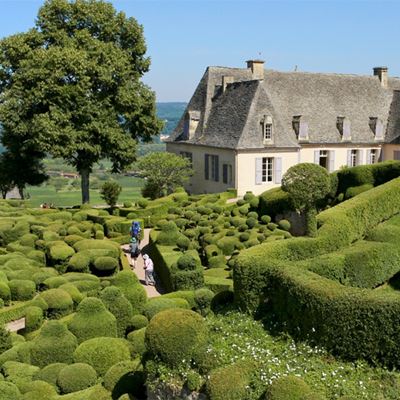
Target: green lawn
47, 194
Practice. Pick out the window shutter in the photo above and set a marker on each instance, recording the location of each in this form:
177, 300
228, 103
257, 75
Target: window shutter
258, 171
278, 169
349, 158
331, 160
368, 158
206, 167
360, 157
316, 157
216, 169
225, 173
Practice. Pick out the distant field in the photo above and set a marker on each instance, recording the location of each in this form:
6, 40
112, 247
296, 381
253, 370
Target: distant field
47, 194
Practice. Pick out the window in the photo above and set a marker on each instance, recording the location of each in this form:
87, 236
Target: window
266, 127
187, 155
323, 158
396, 155
267, 169
373, 156
211, 167
353, 158
227, 173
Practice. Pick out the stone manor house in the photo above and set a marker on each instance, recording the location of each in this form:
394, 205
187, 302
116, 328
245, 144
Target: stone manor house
244, 127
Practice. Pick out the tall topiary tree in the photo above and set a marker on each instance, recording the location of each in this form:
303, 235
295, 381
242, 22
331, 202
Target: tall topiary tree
109, 192
71, 87
306, 184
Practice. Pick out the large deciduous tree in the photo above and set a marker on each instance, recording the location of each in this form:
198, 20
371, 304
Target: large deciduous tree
70, 87
163, 172
306, 184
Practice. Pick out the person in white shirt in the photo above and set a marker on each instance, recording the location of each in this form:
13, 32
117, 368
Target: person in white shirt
148, 270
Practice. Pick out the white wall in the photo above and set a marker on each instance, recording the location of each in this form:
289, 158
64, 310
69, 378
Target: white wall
198, 184
388, 151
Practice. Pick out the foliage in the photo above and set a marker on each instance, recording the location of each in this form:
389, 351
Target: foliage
9, 391
170, 327
164, 172
93, 105
76, 377
130, 287
110, 192
22, 289
59, 302
5, 339
289, 388
49, 373
136, 340
102, 353
158, 304
138, 322
33, 318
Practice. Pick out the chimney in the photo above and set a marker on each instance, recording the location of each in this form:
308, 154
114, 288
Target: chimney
257, 68
226, 80
382, 74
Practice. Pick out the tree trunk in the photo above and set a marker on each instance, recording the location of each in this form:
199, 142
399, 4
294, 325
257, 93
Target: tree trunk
85, 185
4, 194
21, 192
311, 221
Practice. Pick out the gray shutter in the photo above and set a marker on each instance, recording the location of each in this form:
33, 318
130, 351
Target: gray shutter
278, 169
360, 157
331, 160
224, 173
316, 157
258, 171
349, 158
206, 167
368, 158
216, 169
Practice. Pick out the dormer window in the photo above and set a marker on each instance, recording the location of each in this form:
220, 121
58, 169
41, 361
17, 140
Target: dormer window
344, 128
192, 120
376, 126
266, 128
300, 127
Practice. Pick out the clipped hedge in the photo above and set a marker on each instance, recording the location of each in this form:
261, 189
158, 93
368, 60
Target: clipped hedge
170, 327
158, 304
22, 289
102, 353
76, 377
130, 287
290, 388
49, 373
274, 201
8, 391
59, 302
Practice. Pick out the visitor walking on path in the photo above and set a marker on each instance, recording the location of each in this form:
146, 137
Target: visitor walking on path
134, 250
149, 270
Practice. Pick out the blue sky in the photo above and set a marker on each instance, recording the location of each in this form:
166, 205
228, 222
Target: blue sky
185, 36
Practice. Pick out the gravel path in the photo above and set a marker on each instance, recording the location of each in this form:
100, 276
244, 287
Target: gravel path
152, 291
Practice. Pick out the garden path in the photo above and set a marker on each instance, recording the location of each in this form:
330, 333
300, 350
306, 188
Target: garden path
152, 291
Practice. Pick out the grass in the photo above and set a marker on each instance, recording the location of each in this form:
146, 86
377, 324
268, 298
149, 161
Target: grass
47, 194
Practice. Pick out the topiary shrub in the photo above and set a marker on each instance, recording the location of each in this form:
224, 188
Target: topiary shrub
125, 377
142, 203
92, 319
105, 266
130, 287
5, 292
119, 306
102, 353
168, 235
33, 318
203, 298
136, 341
288, 388
79, 262
59, 253
37, 390
22, 289
170, 327
187, 274
251, 222
59, 302
217, 262
49, 373
8, 391
230, 382
17, 372
5, 339
73, 291
112, 248
54, 344
158, 304
53, 282
76, 377
355, 191
183, 243
227, 245
138, 321
284, 224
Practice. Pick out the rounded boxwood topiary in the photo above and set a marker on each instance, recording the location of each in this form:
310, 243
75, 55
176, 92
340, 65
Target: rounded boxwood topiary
72, 239
76, 377
125, 377
119, 306
138, 321
53, 282
136, 341
203, 298
183, 242
37, 390
33, 318
288, 388
5, 292
8, 391
49, 373
187, 262
217, 262
92, 320
171, 327
168, 235
79, 262
73, 291
54, 344
59, 302
102, 353
252, 214
243, 237
158, 304
105, 265
227, 245
265, 219
22, 289
130, 287
284, 224
251, 222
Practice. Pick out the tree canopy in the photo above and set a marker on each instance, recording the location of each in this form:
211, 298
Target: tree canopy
70, 86
164, 172
307, 183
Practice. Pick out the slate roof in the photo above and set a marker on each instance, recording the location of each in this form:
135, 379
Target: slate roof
231, 119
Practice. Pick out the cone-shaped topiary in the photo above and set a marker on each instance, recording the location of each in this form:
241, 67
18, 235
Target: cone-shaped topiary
119, 306
92, 319
76, 377
54, 344
175, 335
102, 352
